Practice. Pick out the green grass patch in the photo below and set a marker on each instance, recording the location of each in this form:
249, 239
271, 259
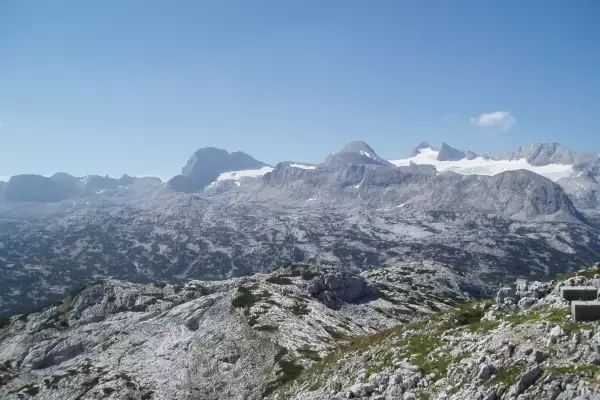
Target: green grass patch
557, 315
334, 333
288, 371
300, 309
267, 328
590, 373
279, 280
282, 352
309, 353
588, 273
507, 375
245, 298
308, 275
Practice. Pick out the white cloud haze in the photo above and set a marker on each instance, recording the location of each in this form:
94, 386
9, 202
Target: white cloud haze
497, 119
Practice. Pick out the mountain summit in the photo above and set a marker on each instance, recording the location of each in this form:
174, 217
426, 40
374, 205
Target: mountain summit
356, 152
207, 163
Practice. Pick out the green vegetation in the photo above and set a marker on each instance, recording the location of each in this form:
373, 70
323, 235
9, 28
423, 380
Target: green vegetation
308, 275
23, 317
420, 342
4, 379
592, 371
309, 353
305, 271
559, 316
80, 289
246, 298
300, 308
29, 389
334, 333
507, 375
282, 352
267, 328
288, 371
279, 280
588, 273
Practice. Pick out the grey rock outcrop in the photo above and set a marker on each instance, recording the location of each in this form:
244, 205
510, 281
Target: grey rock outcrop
447, 153
504, 355
234, 339
206, 164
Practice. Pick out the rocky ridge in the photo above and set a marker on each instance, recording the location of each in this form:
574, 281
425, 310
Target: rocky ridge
233, 339
174, 239
523, 345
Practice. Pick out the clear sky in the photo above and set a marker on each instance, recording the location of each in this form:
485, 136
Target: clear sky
114, 86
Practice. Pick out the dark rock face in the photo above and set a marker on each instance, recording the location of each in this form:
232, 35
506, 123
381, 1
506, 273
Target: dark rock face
420, 146
205, 166
469, 155
335, 288
448, 153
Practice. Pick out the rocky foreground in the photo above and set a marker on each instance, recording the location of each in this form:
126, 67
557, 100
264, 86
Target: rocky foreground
241, 338
522, 346
411, 331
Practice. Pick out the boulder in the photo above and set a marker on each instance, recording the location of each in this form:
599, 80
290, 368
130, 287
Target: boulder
556, 332
485, 372
502, 294
538, 356
527, 302
528, 378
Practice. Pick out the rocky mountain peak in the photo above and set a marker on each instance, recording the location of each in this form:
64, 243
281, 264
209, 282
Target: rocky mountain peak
357, 147
357, 152
207, 163
423, 145
448, 153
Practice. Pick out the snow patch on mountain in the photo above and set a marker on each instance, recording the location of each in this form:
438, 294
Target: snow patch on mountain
484, 166
249, 173
303, 166
364, 153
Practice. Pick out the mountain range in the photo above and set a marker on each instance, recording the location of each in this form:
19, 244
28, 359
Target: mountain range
228, 214
576, 172
230, 279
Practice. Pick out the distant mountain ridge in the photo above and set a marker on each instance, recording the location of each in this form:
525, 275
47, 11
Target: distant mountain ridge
61, 186
357, 174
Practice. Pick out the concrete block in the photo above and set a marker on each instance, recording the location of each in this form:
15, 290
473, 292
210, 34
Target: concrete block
585, 310
571, 293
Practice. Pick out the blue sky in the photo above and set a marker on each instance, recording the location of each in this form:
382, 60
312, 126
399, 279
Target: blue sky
112, 86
